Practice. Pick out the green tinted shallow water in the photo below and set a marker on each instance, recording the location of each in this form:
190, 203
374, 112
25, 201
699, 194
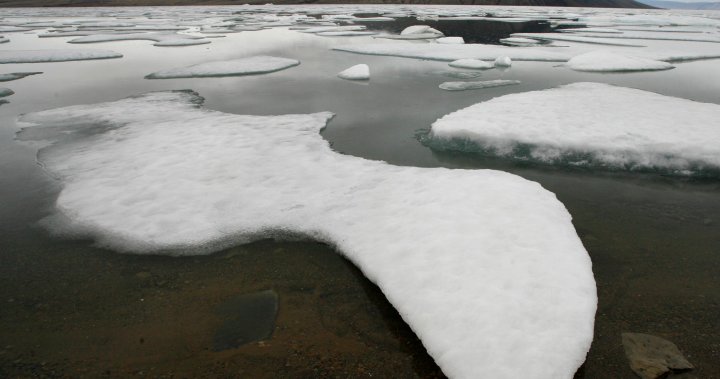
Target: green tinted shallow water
72, 309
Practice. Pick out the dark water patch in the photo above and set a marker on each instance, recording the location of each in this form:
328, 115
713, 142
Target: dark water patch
472, 31
248, 318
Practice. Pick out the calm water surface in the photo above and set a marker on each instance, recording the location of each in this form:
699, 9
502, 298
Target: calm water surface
71, 309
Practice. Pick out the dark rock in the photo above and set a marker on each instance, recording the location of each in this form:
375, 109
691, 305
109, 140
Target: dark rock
652, 357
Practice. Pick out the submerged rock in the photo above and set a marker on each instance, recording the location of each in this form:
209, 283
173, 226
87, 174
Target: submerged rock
653, 357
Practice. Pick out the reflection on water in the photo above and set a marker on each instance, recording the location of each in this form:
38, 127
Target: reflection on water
72, 309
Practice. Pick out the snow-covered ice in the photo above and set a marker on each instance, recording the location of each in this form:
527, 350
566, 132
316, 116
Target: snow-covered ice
519, 41
161, 39
260, 64
451, 40
16, 75
62, 55
608, 61
474, 64
450, 52
357, 72
485, 266
463, 86
589, 124
566, 37
420, 29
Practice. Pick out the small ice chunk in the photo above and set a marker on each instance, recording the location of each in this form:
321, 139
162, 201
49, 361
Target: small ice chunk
357, 72
590, 124
475, 64
16, 76
244, 66
4, 40
6, 92
39, 56
451, 40
420, 29
608, 61
463, 86
503, 61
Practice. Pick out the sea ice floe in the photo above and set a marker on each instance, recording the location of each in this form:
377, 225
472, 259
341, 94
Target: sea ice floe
464, 86
38, 56
244, 66
519, 41
566, 37
450, 40
444, 52
484, 266
346, 34
16, 76
589, 124
161, 39
413, 36
357, 72
474, 64
4, 92
503, 61
420, 29
608, 61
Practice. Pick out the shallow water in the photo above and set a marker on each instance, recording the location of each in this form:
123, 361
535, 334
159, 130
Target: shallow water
72, 309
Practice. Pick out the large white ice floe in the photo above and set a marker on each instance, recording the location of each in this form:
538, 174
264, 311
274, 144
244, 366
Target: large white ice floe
463, 86
38, 56
450, 52
608, 61
260, 64
589, 124
357, 72
161, 39
485, 266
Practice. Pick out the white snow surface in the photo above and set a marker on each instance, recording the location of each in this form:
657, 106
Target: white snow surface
357, 72
485, 266
503, 61
449, 52
451, 40
260, 64
62, 55
608, 61
592, 123
463, 86
161, 39
474, 64
420, 29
